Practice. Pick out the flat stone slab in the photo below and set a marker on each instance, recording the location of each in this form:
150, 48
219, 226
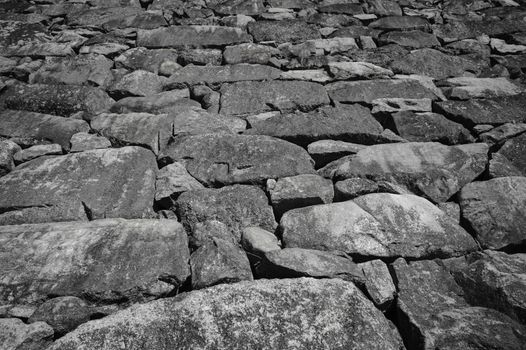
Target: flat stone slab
380, 225
283, 31
94, 184
191, 36
223, 317
222, 159
251, 97
110, 256
430, 169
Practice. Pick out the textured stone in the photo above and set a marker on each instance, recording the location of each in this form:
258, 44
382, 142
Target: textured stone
258, 241
33, 152
15, 334
193, 36
163, 102
357, 70
326, 151
172, 180
64, 314
378, 283
513, 150
283, 31
138, 83
7, 150
83, 141
145, 59
414, 39
464, 88
400, 23
191, 75
248, 53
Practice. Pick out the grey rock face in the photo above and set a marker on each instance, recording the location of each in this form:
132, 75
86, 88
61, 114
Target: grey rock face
64, 314
179, 36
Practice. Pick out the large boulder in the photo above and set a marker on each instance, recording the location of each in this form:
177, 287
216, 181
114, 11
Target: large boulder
88, 185
496, 210
108, 259
222, 159
380, 224
430, 169
290, 313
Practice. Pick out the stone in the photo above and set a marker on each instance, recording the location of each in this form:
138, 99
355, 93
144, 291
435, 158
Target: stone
433, 63
326, 151
89, 185
33, 152
218, 261
494, 111
241, 7
191, 75
452, 209
400, 23
428, 127
367, 91
163, 102
358, 70
283, 31
141, 58
7, 151
172, 180
355, 31
248, 53
495, 210
500, 166
97, 17
82, 141
315, 75
138, 83
502, 133
429, 169
240, 21
15, 334
379, 225
457, 30
350, 123
299, 191
495, 280
137, 256
463, 88
77, 70
414, 39
204, 232
174, 322
378, 283
342, 7
353, 187
513, 150
298, 262
237, 206
62, 100
64, 314
382, 105
191, 36
201, 57
258, 241
383, 8
37, 128
502, 47
319, 47
142, 20
432, 313
251, 97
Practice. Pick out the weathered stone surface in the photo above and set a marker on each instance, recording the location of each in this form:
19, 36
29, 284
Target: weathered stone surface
215, 159
494, 111
258, 241
163, 102
138, 83
33, 152
62, 100
39, 128
381, 224
326, 151
283, 31
208, 230
502, 133
378, 283
88, 185
367, 91
66, 259
193, 36
83, 141
248, 53
357, 70
256, 97
176, 322
495, 280
464, 88
299, 191
7, 150
145, 59
352, 123
381, 105
400, 23
513, 150
172, 180
236, 206
415, 39
191, 74
456, 30
219, 261
315, 75
500, 166
64, 314
354, 187
15, 334
495, 209
432, 314
430, 169
97, 17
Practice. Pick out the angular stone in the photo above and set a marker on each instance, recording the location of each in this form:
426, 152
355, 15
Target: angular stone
237, 206
502, 133
163, 102
452, 209
61, 100
191, 36
502, 47
342, 7
495, 280
191, 75
83, 141
176, 321
433, 315
258, 241
315, 75
354, 187
64, 314
383, 8
494, 111
208, 230
326, 151
241, 7
248, 53
80, 186
145, 59
319, 47
514, 150
218, 261
283, 31
97, 17
15, 334
299, 191
142, 20
381, 105
415, 39
496, 210
464, 88
138, 83
456, 30
400, 23
352, 123
77, 70
33, 152
430, 169
500, 166
256, 97
201, 57
367, 91
358, 70
428, 127
298, 262
355, 31
172, 180
106, 259
7, 150
378, 283
39, 128
381, 225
